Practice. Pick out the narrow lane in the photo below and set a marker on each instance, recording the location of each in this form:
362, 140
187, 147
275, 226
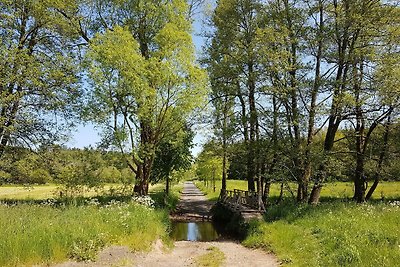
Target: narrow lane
193, 205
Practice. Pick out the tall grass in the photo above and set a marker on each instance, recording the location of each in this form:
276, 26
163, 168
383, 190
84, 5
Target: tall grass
332, 234
33, 234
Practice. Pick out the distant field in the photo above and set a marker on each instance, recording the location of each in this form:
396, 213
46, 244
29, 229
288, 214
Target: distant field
24, 192
390, 190
38, 192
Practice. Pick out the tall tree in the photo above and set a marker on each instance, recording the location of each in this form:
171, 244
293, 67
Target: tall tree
234, 42
360, 31
144, 76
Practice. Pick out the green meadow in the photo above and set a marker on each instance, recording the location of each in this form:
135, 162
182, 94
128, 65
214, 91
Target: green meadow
44, 231
337, 232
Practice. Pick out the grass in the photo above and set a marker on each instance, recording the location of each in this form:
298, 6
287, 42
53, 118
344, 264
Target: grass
25, 192
332, 234
41, 192
214, 258
338, 232
337, 190
33, 234
44, 232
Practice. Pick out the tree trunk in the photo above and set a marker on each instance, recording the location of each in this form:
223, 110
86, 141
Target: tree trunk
294, 109
382, 156
167, 186
251, 157
147, 151
307, 169
359, 178
224, 147
267, 190
335, 116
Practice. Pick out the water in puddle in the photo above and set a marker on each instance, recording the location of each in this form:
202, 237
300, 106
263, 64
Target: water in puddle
194, 231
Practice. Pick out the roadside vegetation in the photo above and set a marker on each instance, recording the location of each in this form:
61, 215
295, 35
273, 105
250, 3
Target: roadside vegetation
54, 230
331, 234
337, 232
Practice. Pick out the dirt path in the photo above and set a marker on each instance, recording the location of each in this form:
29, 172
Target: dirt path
194, 206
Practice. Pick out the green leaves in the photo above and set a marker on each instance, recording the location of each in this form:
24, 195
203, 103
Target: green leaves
146, 83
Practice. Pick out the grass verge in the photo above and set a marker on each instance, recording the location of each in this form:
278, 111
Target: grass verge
35, 234
332, 234
49, 231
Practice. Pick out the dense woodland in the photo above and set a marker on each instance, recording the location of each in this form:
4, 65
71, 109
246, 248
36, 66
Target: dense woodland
296, 91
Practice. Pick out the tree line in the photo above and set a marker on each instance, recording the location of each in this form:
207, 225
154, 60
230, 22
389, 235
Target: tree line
305, 91
298, 88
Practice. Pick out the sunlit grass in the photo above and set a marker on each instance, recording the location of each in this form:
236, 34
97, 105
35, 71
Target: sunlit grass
339, 190
25, 192
33, 234
338, 232
332, 234
40, 192
53, 231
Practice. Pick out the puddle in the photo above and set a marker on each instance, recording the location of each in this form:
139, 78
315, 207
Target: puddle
194, 231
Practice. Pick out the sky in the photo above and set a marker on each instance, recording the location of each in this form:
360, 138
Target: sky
88, 135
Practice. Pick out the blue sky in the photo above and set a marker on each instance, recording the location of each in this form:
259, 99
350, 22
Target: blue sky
87, 135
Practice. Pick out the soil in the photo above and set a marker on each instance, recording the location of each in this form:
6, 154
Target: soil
193, 206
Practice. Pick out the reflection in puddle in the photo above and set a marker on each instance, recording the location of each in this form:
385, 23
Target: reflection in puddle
193, 231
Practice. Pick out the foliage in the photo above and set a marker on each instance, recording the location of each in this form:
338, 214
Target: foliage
173, 155
146, 84
209, 164
39, 80
300, 89
73, 169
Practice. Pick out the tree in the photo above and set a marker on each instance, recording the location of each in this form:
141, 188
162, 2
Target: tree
38, 77
209, 165
144, 75
360, 30
233, 66
173, 155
